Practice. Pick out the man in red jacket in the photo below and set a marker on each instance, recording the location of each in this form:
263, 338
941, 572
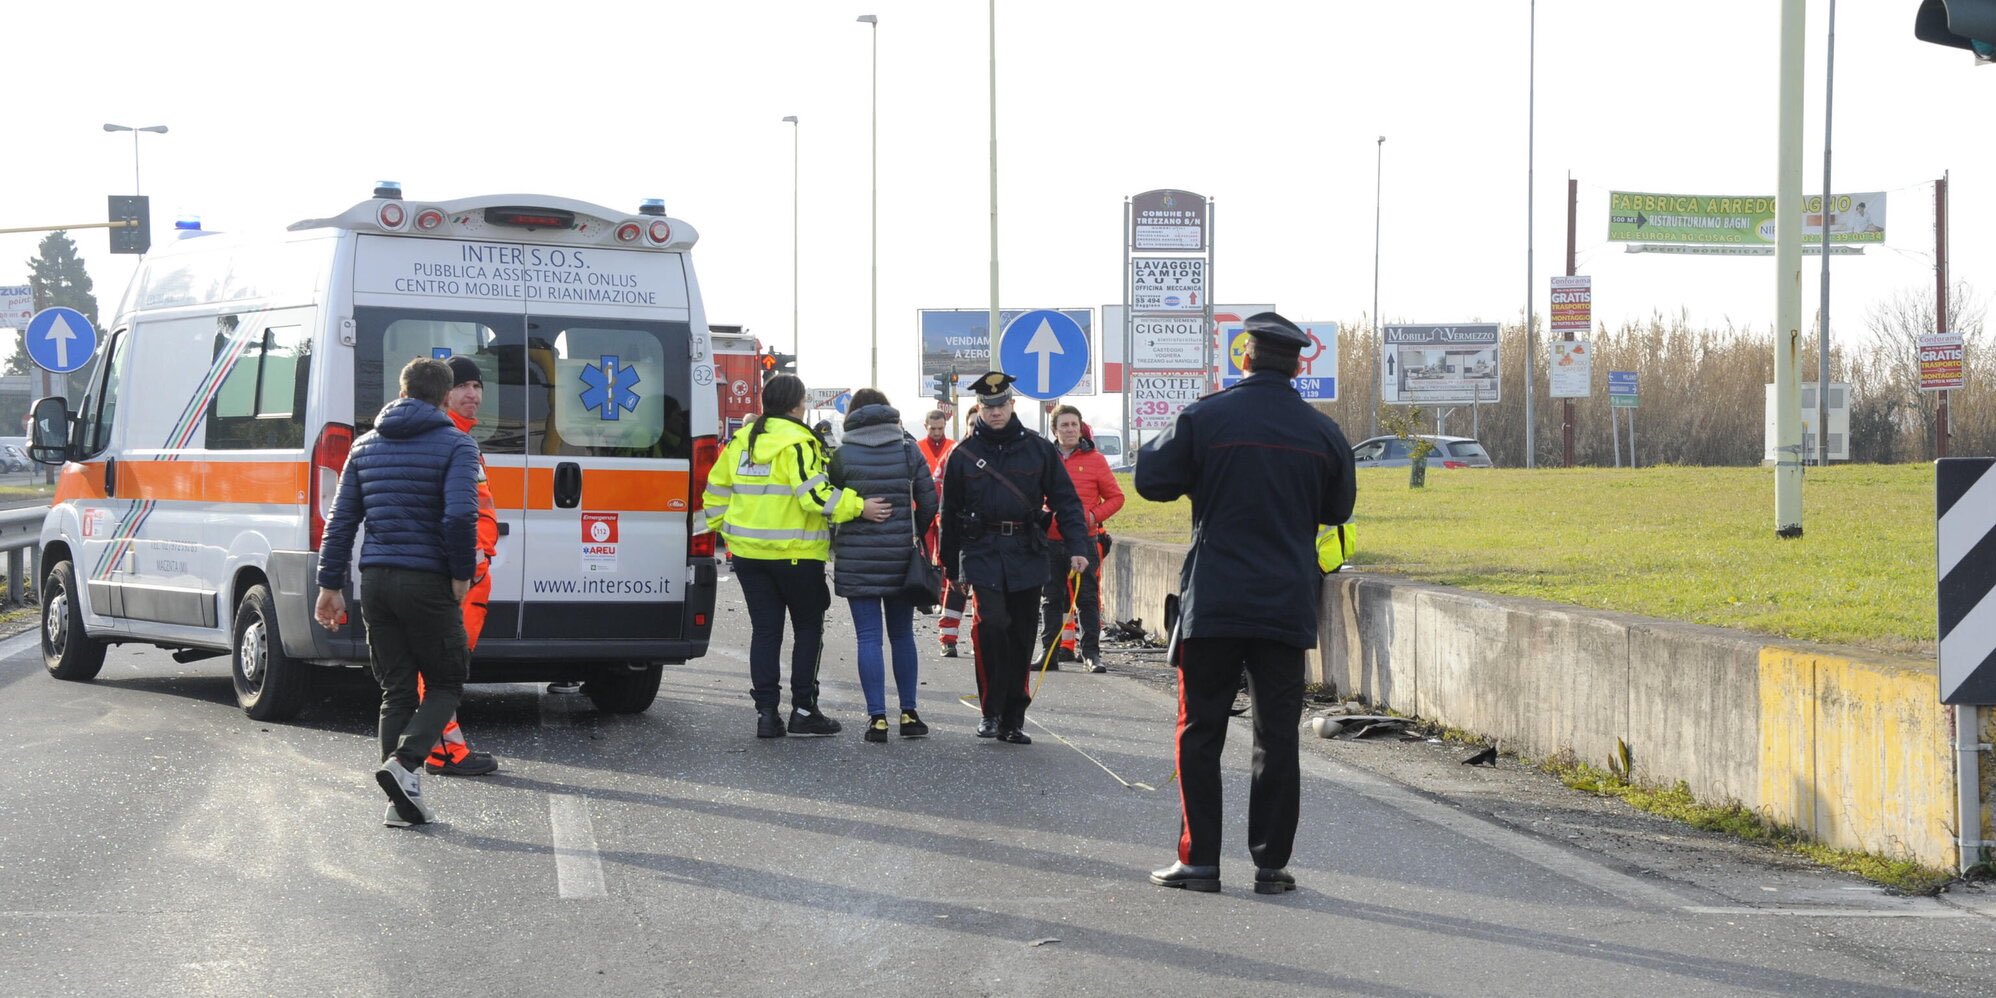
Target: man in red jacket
1101, 497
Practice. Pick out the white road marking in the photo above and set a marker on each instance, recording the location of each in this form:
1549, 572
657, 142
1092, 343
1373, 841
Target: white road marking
578, 870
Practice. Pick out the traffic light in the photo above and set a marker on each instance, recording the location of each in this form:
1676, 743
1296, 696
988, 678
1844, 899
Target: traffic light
131, 208
939, 387
1962, 24
774, 363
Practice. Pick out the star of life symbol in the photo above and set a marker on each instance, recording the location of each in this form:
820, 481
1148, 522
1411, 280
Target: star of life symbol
609, 389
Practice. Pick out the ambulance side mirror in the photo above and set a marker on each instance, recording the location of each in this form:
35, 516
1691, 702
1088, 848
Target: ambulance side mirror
50, 425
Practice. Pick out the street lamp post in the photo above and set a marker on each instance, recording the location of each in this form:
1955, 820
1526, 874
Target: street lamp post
796, 336
874, 172
135, 130
1378, 331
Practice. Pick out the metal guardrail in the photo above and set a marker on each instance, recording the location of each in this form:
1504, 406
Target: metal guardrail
20, 538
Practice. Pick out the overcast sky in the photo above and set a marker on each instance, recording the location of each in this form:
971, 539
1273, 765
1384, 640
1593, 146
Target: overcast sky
290, 111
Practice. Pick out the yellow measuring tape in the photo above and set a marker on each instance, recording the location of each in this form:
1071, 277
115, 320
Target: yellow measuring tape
1073, 599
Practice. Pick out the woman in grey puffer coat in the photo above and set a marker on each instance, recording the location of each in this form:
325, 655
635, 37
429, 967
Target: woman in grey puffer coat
877, 457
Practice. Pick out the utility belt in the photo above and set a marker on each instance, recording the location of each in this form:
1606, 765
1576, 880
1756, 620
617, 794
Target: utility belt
975, 526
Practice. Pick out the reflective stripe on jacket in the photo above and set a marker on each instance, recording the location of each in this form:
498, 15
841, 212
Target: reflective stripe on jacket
776, 501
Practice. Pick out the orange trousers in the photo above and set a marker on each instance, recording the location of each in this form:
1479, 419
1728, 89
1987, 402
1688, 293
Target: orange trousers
454, 747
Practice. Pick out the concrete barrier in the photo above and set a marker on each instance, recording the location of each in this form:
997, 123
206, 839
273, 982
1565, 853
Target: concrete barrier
1851, 747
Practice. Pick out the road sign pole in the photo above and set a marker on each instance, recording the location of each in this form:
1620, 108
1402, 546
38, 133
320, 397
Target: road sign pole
1212, 247
1940, 302
1788, 277
1129, 273
1572, 219
1615, 431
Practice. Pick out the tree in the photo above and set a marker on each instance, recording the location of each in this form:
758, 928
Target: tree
58, 277
1904, 429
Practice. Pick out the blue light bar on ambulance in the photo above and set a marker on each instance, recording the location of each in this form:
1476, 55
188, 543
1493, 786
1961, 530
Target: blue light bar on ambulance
188, 223
531, 218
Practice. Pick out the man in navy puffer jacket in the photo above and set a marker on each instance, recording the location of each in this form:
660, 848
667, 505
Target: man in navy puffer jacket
413, 481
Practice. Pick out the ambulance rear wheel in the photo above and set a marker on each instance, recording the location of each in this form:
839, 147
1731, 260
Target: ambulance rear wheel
624, 690
67, 652
270, 685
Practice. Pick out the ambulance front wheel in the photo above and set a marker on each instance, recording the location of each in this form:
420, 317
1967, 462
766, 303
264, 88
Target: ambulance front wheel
625, 689
67, 652
270, 685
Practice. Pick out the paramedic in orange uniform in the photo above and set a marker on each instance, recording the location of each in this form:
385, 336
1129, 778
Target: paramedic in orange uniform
453, 756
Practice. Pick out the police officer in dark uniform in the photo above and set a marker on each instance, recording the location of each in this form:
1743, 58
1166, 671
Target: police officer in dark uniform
995, 485
1263, 469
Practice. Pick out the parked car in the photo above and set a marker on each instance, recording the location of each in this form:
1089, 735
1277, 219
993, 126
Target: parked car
1394, 452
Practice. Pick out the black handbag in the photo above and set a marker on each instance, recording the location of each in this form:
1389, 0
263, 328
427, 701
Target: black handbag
924, 583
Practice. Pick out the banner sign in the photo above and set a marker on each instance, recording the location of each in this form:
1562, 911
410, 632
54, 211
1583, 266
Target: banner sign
1941, 356
1571, 371
1317, 378
1572, 305
1738, 220
1167, 283
17, 306
959, 339
1157, 397
1173, 221
1440, 364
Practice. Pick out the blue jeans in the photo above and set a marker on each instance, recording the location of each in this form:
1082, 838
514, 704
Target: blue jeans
867, 612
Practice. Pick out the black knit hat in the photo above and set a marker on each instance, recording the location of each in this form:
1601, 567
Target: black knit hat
463, 369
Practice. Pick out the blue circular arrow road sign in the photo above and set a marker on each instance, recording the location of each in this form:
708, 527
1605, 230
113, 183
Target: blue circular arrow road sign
1046, 350
60, 340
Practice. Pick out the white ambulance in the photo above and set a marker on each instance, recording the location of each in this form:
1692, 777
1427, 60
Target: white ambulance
199, 467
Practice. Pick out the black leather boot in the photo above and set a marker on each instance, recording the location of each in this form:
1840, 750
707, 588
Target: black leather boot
1191, 878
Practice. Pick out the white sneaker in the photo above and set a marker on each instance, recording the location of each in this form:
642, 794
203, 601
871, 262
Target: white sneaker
393, 818
405, 792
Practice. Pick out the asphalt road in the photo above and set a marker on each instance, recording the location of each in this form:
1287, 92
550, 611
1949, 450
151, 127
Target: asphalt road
154, 841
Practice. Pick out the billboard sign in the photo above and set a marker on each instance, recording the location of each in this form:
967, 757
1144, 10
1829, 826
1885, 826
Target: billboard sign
1572, 305
1157, 397
1167, 342
1941, 357
1739, 220
1571, 370
17, 306
959, 339
1167, 283
1440, 364
1317, 378
1173, 221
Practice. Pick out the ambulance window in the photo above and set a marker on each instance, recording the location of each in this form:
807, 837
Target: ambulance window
613, 394
390, 339
94, 431
261, 401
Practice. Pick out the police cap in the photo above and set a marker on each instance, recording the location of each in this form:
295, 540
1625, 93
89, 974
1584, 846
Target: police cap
1273, 332
994, 388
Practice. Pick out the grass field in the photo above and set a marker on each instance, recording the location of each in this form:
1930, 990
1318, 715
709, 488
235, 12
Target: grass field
1692, 544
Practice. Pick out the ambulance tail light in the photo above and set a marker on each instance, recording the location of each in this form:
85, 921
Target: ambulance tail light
706, 451
329, 458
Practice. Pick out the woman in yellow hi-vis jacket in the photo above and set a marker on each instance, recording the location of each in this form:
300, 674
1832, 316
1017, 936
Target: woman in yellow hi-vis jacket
769, 497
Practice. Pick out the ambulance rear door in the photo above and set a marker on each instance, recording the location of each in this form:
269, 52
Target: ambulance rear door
608, 447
